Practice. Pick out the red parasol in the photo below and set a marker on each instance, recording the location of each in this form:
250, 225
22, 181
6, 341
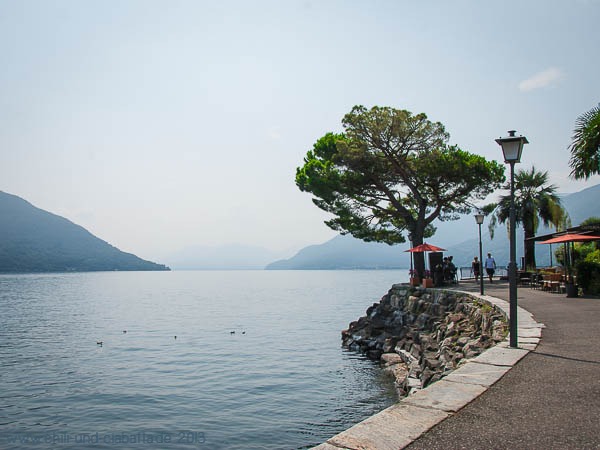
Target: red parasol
426, 248
570, 237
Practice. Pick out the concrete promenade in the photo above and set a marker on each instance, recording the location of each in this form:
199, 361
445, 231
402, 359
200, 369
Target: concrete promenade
550, 399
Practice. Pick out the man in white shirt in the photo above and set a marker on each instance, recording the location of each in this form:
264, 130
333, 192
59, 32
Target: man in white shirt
490, 266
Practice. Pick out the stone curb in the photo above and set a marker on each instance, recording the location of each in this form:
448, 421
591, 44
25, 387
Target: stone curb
401, 424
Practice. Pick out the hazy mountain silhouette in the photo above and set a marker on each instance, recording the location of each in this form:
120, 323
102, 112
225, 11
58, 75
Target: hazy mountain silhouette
223, 257
345, 252
583, 204
459, 238
34, 240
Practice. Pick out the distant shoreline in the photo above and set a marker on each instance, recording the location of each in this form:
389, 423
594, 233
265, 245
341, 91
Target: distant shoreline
42, 272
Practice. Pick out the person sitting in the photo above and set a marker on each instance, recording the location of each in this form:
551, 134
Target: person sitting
438, 275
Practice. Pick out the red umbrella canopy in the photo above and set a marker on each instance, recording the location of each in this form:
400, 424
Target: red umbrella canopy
425, 248
571, 238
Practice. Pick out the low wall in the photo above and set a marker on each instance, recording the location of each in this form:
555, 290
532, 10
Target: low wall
421, 335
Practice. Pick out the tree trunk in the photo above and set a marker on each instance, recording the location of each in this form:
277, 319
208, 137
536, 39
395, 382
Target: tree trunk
419, 258
529, 248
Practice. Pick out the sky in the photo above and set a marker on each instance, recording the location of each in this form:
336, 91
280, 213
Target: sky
159, 125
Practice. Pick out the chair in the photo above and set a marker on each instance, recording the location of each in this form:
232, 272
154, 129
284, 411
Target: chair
451, 274
561, 288
525, 278
535, 280
552, 282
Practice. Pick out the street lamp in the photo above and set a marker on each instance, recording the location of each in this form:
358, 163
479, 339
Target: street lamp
512, 147
479, 219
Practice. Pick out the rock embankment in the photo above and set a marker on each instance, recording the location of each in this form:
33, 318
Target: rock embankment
421, 335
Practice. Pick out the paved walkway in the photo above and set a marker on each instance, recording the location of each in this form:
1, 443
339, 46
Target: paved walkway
550, 399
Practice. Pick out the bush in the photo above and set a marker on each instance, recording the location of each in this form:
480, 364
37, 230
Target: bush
593, 256
588, 276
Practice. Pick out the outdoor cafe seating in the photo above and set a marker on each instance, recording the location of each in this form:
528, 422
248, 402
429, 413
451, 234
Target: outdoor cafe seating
561, 282
524, 277
551, 281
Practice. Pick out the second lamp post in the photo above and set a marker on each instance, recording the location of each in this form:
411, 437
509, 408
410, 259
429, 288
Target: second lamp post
479, 219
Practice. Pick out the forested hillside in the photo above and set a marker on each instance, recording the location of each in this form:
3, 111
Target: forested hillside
33, 240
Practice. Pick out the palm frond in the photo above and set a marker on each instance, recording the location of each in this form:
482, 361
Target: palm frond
585, 145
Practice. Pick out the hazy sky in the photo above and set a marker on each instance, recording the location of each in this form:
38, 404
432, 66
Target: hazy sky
162, 124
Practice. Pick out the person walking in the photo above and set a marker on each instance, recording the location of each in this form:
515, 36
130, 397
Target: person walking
475, 268
490, 266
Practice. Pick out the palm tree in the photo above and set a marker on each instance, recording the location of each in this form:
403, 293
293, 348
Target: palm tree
585, 147
561, 222
535, 201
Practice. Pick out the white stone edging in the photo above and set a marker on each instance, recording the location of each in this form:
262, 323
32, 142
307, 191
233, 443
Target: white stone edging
401, 424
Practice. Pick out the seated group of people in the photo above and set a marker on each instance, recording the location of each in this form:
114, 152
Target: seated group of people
447, 270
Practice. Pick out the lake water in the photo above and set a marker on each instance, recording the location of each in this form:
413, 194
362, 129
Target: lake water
281, 381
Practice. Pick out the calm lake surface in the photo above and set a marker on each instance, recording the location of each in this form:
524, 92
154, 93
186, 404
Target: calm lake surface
281, 381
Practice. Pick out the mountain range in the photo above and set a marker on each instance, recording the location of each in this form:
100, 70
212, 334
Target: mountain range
459, 238
343, 252
34, 240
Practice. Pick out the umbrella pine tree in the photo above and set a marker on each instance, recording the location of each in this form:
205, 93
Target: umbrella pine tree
392, 173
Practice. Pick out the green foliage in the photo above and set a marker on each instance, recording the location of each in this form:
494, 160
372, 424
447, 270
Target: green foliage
588, 276
560, 255
593, 256
535, 201
590, 221
583, 249
391, 173
585, 145
483, 306
577, 253
489, 209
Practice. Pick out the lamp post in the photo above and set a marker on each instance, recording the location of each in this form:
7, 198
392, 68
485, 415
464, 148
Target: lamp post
512, 147
479, 219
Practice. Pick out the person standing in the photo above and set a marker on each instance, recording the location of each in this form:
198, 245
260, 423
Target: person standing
452, 270
475, 266
490, 266
445, 268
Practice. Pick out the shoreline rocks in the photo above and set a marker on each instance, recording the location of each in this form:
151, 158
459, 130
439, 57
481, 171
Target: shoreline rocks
420, 335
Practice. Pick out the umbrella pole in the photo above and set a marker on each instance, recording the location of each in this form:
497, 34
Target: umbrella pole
568, 259
572, 261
